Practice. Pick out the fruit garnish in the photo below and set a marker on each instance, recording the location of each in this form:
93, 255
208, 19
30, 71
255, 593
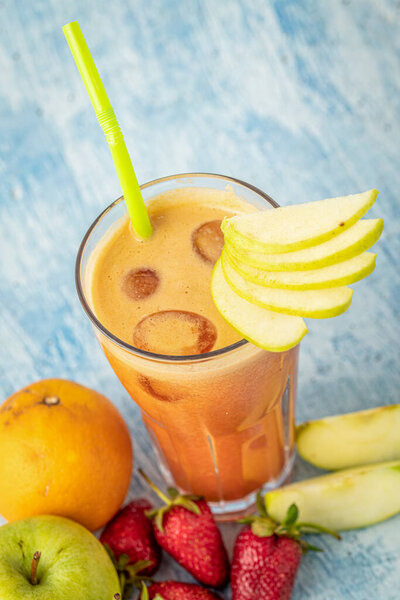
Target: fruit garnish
267, 554
270, 330
344, 273
348, 499
75, 459
350, 440
185, 528
289, 228
316, 304
360, 237
294, 260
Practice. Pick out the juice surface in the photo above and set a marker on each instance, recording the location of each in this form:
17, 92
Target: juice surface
132, 279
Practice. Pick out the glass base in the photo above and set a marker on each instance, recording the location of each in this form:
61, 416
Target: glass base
234, 509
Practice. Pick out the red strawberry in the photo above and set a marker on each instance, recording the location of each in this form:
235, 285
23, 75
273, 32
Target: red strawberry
186, 529
177, 590
264, 567
266, 556
129, 536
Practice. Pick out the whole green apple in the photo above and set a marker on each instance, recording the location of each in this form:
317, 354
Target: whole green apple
72, 564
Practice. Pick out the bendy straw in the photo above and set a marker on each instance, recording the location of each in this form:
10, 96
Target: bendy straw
106, 117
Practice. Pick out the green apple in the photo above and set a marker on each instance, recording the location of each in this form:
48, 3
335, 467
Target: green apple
316, 304
289, 228
358, 238
343, 500
344, 273
269, 330
73, 564
359, 438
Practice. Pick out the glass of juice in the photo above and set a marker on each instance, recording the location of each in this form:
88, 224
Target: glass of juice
219, 410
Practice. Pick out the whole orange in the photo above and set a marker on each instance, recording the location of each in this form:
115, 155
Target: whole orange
64, 450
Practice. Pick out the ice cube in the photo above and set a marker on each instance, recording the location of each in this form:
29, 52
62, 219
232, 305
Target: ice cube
140, 283
175, 332
258, 443
158, 389
208, 241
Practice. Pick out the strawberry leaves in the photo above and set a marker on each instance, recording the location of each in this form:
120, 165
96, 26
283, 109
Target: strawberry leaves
172, 498
263, 526
128, 573
291, 516
145, 594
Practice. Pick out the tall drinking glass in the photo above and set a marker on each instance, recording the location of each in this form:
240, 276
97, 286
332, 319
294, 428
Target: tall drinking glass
222, 423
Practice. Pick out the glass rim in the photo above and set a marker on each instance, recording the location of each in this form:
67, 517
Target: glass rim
116, 340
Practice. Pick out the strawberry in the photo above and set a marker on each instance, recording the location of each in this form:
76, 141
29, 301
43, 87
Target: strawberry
186, 529
266, 555
264, 567
177, 590
130, 541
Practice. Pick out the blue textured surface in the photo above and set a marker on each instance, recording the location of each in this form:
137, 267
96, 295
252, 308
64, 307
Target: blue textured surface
300, 98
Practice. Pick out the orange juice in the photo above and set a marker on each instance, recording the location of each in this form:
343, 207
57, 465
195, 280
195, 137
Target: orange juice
218, 410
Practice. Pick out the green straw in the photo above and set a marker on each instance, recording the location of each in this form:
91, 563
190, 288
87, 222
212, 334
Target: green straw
106, 117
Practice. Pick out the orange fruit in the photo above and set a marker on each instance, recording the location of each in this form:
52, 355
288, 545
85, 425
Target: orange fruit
64, 450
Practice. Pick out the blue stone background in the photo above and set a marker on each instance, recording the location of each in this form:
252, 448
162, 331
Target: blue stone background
300, 98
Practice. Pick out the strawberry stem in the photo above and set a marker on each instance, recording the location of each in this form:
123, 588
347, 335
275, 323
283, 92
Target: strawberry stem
34, 567
144, 594
319, 528
264, 526
155, 489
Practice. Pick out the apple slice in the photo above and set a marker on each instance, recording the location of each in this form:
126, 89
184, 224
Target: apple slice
344, 273
316, 304
358, 438
358, 238
298, 226
344, 500
268, 330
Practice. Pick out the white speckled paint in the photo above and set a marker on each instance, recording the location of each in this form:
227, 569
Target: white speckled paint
301, 98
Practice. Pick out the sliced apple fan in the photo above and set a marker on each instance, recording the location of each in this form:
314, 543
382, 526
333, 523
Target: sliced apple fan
283, 264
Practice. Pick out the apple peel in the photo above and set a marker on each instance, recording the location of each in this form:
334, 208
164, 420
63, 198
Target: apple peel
358, 238
298, 226
349, 499
315, 304
353, 439
269, 330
